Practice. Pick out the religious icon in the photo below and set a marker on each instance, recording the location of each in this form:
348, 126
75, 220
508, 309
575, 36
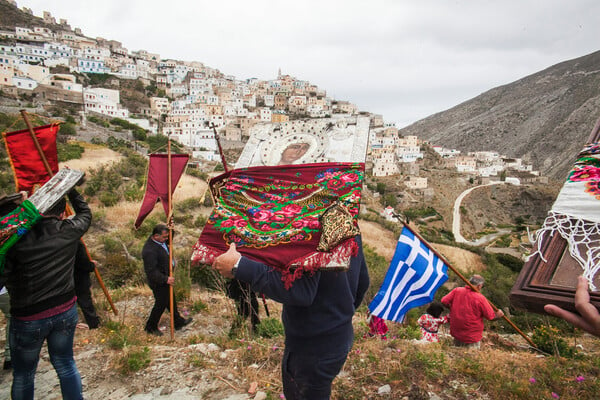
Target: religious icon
568, 244
306, 141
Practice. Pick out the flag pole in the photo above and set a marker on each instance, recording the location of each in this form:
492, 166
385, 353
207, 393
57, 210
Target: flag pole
170, 226
50, 173
527, 338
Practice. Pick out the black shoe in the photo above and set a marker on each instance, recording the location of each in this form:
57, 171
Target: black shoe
7, 365
154, 332
183, 323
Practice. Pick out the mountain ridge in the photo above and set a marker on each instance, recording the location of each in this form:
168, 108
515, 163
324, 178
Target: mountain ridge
529, 118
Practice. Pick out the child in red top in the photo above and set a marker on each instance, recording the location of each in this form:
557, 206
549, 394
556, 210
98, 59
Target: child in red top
431, 321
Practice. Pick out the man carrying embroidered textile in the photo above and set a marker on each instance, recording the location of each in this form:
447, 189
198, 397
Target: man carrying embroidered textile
317, 317
468, 308
39, 278
155, 254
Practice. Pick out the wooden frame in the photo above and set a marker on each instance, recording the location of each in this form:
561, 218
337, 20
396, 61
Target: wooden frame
553, 278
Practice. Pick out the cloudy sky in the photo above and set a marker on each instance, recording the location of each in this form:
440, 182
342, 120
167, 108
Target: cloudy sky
403, 59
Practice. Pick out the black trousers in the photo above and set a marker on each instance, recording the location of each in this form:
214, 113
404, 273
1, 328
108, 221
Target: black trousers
161, 303
84, 298
245, 300
309, 376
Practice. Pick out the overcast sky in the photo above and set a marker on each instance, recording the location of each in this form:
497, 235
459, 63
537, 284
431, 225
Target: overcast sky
403, 59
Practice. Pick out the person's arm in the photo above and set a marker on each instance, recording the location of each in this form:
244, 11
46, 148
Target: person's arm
487, 311
447, 299
363, 279
588, 318
82, 219
267, 280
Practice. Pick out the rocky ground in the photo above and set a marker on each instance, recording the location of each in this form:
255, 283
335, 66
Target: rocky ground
184, 368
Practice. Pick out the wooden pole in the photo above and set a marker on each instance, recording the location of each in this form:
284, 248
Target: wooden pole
50, 173
471, 286
170, 225
225, 168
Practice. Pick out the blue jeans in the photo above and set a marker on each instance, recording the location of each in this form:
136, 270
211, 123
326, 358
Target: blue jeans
26, 340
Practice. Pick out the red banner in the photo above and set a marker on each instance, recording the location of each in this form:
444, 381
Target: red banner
26, 162
158, 182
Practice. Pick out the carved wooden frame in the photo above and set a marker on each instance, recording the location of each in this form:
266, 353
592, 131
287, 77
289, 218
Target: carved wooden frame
553, 278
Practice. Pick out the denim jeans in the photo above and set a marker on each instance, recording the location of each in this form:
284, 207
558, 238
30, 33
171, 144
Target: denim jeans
26, 340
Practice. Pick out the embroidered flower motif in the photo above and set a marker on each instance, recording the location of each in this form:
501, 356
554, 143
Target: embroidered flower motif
351, 177
291, 210
263, 215
585, 173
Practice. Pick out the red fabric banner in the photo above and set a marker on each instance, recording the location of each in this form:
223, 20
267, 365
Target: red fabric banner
158, 182
26, 162
275, 215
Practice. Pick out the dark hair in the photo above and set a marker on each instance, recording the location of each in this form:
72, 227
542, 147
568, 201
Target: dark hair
58, 208
159, 229
435, 309
7, 208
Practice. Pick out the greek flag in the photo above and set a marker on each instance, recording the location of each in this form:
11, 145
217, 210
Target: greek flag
414, 275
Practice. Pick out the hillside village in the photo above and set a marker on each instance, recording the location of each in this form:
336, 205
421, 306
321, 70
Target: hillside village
46, 64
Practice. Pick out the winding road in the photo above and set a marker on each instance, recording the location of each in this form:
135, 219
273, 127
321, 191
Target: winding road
456, 219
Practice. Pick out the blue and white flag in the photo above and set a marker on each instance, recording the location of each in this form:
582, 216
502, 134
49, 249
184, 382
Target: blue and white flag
414, 275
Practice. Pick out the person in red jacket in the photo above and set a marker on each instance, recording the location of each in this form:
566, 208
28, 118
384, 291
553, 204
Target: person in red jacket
468, 308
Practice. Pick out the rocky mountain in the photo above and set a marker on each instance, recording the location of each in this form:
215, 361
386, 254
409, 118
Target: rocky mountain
11, 16
544, 118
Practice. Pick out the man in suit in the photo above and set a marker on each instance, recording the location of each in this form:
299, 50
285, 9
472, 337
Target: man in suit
155, 254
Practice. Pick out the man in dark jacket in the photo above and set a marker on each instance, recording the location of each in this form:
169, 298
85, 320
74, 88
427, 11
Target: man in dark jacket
39, 279
317, 317
83, 267
155, 254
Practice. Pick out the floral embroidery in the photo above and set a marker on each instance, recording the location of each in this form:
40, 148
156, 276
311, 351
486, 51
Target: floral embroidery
259, 212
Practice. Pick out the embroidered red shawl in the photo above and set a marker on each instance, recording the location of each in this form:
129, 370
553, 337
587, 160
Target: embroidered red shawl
275, 215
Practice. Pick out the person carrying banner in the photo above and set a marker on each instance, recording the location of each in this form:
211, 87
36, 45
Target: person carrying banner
39, 278
317, 317
7, 205
468, 308
155, 254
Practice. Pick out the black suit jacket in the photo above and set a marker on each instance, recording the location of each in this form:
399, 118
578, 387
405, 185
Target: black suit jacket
156, 263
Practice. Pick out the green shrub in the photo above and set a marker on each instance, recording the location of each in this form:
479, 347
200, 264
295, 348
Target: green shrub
199, 306
68, 129
547, 339
134, 360
108, 199
270, 328
119, 336
69, 151
205, 276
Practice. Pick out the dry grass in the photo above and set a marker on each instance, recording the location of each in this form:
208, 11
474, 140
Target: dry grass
93, 156
379, 238
384, 243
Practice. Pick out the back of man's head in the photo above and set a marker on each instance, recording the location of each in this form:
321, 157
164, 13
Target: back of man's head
57, 209
477, 280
